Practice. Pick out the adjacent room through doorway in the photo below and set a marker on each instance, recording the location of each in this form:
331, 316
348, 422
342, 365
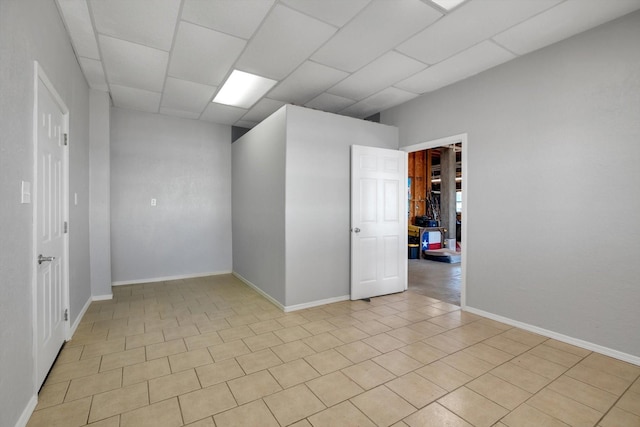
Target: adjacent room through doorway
435, 218
435, 279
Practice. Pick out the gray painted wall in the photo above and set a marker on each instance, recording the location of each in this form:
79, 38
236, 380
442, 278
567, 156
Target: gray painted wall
318, 199
553, 155
32, 30
79, 264
100, 173
259, 205
184, 164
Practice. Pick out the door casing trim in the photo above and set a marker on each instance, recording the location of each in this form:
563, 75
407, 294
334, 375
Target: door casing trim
440, 142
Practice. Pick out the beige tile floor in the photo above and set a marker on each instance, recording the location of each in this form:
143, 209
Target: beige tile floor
212, 352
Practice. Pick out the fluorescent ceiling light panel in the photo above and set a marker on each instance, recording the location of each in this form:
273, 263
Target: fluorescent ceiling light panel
448, 4
243, 89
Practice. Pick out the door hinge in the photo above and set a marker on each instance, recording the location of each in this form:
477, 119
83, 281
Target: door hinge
66, 227
66, 139
66, 314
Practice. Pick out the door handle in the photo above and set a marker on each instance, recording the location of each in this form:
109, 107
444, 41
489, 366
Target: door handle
42, 259
356, 230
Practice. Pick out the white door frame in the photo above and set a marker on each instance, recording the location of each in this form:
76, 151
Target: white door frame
449, 140
39, 75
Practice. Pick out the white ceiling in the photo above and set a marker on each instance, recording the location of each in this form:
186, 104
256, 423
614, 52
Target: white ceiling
351, 57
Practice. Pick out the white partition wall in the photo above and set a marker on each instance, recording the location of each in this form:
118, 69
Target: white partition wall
291, 203
318, 200
258, 206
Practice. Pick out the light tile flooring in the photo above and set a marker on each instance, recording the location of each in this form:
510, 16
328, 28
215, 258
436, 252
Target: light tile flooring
212, 352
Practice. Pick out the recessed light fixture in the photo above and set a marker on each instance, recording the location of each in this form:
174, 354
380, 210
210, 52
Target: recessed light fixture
448, 4
243, 89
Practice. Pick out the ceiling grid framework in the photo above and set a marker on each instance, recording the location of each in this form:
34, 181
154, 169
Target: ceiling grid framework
350, 57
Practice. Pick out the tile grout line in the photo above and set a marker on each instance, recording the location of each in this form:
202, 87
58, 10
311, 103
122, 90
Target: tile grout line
188, 304
569, 397
617, 400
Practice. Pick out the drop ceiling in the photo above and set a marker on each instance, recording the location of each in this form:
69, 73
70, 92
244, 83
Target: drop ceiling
350, 57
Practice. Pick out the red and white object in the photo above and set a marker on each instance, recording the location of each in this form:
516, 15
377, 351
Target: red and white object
431, 240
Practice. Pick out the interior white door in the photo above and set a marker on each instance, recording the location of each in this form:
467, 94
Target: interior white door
378, 221
50, 193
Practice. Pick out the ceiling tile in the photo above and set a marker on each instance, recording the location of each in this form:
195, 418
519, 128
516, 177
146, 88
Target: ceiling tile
186, 96
387, 98
223, 114
354, 57
379, 74
78, 21
94, 73
305, 83
135, 99
465, 64
563, 21
240, 18
121, 19
468, 25
203, 55
335, 12
378, 28
263, 109
329, 102
246, 124
179, 113
133, 65
284, 41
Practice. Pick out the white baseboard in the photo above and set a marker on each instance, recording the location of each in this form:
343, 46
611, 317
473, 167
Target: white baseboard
28, 411
102, 297
260, 291
73, 328
289, 308
557, 336
316, 303
167, 278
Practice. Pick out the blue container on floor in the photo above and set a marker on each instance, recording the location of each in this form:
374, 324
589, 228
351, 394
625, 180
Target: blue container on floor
414, 251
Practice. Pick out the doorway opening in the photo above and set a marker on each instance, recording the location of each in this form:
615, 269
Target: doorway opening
436, 211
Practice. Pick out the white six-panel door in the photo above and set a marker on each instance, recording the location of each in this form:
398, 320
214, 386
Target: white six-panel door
378, 221
50, 193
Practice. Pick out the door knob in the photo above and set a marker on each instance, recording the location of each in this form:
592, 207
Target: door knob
42, 259
356, 230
